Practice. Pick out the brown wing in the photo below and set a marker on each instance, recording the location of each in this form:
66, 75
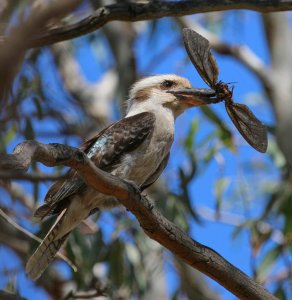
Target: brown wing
198, 49
119, 139
106, 150
253, 130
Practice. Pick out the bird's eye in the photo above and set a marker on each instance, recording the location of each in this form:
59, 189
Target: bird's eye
166, 84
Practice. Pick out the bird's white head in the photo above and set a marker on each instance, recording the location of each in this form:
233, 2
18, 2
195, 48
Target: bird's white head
162, 91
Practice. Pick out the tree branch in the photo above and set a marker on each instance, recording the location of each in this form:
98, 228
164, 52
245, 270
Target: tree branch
153, 223
33, 177
13, 46
278, 32
148, 11
8, 296
17, 192
94, 99
87, 295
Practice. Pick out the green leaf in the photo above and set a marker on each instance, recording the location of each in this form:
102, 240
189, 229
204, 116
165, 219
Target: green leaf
191, 135
29, 131
276, 155
220, 187
7, 138
38, 107
36, 192
209, 154
267, 262
117, 268
288, 224
223, 133
280, 294
153, 27
132, 254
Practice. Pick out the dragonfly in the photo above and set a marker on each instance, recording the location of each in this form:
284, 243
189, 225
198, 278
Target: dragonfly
252, 129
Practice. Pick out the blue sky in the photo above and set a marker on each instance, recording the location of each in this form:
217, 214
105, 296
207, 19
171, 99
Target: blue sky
241, 27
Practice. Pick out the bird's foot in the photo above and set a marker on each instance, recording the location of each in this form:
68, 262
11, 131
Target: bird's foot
135, 187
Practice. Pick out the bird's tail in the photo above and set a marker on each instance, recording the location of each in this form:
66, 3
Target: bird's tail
47, 250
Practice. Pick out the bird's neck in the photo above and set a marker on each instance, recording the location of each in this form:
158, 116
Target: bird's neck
148, 105
164, 124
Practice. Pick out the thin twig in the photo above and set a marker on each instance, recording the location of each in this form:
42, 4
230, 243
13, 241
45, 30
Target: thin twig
34, 237
237, 220
16, 191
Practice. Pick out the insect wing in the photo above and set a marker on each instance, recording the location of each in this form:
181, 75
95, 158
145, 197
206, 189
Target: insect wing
253, 130
198, 49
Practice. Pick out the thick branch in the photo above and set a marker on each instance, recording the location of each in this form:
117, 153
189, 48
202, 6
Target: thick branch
12, 48
153, 10
9, 296
153, 223
278, 32
33, 177
93, 98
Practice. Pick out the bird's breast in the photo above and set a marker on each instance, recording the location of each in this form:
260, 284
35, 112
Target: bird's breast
140, 164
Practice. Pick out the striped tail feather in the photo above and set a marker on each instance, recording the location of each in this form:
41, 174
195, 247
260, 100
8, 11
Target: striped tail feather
47, 250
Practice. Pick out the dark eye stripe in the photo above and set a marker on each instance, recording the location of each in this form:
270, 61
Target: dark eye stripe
166, 84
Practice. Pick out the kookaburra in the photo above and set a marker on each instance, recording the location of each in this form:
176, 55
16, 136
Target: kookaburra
136, 148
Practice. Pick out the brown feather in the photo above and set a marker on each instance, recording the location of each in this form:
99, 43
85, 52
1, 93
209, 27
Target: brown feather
120, 138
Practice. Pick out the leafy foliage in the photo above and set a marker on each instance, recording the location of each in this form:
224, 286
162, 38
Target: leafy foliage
111, 253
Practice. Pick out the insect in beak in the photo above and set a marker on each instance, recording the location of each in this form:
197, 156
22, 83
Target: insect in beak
198, 49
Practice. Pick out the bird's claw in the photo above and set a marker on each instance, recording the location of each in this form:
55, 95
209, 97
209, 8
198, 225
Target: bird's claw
134, 186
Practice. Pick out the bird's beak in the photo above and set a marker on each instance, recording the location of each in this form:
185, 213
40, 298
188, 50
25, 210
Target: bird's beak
194, 96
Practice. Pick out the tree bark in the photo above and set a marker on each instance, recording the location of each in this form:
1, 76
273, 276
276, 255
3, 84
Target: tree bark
152, 222
133, 12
